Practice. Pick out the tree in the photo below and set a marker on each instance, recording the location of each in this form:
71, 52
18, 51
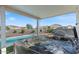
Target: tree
48, 27
49, 30
40, 30
14, 31
22, 31
29, 26
7, 28
33, 31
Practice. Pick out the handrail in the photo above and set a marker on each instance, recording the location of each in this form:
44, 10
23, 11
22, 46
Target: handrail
11, 40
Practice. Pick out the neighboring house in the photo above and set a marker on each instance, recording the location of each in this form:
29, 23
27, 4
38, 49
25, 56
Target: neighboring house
45, 28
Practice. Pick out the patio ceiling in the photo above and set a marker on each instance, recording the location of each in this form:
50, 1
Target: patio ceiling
41, 11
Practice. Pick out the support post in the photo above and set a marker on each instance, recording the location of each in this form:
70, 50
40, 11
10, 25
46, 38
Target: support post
77, 20
14, 48
38, 28
3, 30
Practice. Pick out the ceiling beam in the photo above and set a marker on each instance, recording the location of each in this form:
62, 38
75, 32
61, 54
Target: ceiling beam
9, 8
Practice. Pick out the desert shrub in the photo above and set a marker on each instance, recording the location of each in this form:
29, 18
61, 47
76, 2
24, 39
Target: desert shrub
14, 31
22, 31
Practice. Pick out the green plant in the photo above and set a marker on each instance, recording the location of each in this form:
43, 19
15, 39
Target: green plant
14, 31
49, 27
29, 26
33, 31
50, 30
7, 28
10, 49
40, 30
22, 31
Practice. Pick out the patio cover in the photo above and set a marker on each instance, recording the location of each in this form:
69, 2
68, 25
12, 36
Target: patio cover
41, 11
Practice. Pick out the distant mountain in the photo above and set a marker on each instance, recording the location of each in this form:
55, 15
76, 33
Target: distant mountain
15, 27
54, 26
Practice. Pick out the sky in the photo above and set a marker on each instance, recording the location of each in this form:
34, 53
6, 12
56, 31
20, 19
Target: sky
64, 20
19, 20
